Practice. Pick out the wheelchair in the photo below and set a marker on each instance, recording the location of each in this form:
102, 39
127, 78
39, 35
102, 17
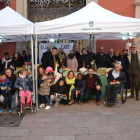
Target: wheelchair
122, 91
19, 106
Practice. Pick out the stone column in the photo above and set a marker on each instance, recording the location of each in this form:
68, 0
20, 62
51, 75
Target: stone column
87, 42
136, 3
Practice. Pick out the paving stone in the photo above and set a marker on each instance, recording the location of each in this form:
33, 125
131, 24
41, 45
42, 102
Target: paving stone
44, 132
94, 118
85, 114
59, 114
108, 113
72, 119
51, 119
112, 123
102, 129
86, 124
58, 125
73, 131
27, 120
133, 121
59, 138
21, 138
14, 132
123, 136
120, 117
70, 110
127, 128
92, 137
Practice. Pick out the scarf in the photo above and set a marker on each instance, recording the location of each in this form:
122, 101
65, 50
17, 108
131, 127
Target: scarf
71, 82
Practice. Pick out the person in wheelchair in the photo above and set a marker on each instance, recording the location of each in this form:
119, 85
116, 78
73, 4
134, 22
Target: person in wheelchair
115, 79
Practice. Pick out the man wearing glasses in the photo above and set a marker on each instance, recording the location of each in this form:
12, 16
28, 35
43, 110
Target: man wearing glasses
101, 59
133, 71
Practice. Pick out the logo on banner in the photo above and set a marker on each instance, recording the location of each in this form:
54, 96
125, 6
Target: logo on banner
91, 24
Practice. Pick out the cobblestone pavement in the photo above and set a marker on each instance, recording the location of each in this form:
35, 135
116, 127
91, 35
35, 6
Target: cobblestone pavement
75, 122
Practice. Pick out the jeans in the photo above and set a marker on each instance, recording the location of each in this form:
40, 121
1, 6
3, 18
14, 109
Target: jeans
13, 104
7, 100
45, 97
74, 93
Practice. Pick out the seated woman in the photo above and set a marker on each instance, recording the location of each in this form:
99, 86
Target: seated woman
70, 81
79, 89
115, 79
59, 87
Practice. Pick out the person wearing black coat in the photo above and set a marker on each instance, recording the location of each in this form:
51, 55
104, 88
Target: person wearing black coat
76, 53
110, 57
52, 60
1, 66
93, 86
90, 53
101, 59
84, 60
46, 53
115, 79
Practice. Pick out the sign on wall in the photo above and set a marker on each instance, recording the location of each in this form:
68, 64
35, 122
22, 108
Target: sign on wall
65, 46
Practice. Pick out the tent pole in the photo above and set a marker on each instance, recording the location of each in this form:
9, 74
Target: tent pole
36, 77
90, 40
93, 41
33, 76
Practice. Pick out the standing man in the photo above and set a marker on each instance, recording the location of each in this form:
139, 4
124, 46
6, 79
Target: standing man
76, 53
133, 71
101, 58
46, 53
109, 57
93, 86
90, 53
51, 60
12, 77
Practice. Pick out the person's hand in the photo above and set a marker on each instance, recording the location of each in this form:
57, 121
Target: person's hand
44, 77
41, 85
49, 80
57, 65
78, 91
112, 83
20, 88
117, 82
98, 87
48, 85
9, 88
3, 88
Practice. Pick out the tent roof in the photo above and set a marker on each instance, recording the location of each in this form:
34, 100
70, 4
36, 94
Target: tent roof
12, 23
90, 19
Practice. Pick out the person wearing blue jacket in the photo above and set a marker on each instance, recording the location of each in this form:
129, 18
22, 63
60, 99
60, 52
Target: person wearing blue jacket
5, 90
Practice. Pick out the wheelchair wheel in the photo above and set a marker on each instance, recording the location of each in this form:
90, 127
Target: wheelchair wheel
123, 94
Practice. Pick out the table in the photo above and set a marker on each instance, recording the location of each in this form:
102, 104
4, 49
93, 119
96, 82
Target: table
103, 88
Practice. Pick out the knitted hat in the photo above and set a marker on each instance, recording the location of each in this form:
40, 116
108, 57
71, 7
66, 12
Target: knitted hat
49, 69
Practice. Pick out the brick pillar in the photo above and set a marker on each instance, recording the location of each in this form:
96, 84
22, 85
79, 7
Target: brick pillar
137, 15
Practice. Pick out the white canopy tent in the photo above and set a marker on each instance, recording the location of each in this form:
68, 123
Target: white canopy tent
15, 28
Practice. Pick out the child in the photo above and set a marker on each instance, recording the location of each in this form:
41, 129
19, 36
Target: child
79, 88
23, 83
6, 61
60, 87
5, 90
44, 89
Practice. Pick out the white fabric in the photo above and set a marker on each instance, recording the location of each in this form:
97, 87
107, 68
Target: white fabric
12, 23
6, 62
78, 22
115, 75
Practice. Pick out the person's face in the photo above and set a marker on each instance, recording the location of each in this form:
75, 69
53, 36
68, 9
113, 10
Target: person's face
6, 56
117, 67
90, 72
40, 70
24, 73
16, 51
111, 51
71, 55
84, 52
8, 73
16, 55
101, 49
54, 52
75, 49
70, 76
89, 49
133, 48
60, 50
3, 77
63, 56
49, 48
117, 53
61, 83
79, 76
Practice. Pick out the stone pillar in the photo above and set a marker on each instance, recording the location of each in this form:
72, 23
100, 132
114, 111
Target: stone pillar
136, 3
21, 8
87, 42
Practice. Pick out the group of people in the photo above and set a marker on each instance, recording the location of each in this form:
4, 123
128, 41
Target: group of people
72, 87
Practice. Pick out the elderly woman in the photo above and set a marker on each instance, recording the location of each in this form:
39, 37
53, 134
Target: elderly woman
70, 81
117, 58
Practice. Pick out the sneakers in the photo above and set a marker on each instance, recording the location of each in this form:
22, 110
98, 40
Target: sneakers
10, 111
71, 102
1, 110
42, 105
57, 104
48, 107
